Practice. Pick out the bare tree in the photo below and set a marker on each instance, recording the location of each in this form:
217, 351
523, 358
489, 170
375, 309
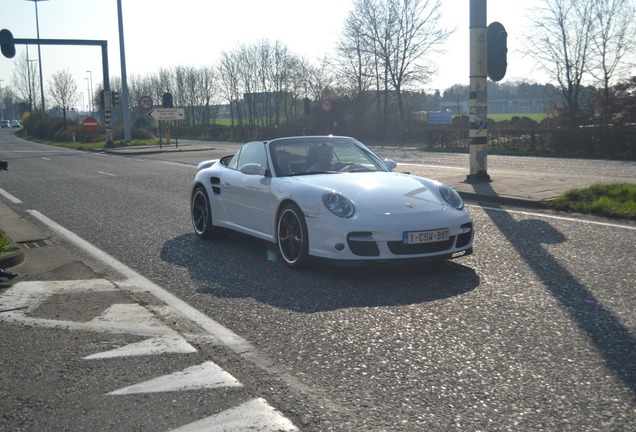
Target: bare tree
614, 39
207, 85
63, 90
561, 43
229, 83
24, 82
403, 36
357, 66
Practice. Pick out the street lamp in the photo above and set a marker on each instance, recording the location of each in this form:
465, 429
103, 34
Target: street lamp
37, 26
88, 90
90, 95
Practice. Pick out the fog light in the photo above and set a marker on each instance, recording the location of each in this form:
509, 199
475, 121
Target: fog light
340, 247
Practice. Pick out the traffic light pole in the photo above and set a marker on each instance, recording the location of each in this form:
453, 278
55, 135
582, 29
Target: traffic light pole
478, 94
83, 42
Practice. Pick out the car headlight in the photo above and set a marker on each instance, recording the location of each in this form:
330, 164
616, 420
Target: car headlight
451, 196
338, 204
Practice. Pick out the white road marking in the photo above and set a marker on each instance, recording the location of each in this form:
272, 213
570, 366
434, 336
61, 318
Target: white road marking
429, 166
135, 282
154, 346
10, 197
547, 216
108, 174
206, 375
45, 158
24, 297
255, 415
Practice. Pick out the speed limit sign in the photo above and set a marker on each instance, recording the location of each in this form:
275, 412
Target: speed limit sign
145, 102
325, 105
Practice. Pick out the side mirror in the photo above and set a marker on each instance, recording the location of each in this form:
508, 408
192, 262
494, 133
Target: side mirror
390, 163
253, 169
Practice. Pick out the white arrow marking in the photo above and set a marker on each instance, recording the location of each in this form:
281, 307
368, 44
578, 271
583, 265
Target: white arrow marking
153, 346
255, 415
204, 376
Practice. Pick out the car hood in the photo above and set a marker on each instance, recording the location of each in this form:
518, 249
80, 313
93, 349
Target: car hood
382, 192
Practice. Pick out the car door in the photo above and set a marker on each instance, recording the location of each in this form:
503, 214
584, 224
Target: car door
247, 196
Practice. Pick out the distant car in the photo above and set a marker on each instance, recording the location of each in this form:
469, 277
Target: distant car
15, 123
356, 209
5, 124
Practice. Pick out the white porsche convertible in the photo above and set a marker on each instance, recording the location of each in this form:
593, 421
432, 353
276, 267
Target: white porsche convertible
329, 197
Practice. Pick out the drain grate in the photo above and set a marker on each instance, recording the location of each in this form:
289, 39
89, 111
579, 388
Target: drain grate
37, 244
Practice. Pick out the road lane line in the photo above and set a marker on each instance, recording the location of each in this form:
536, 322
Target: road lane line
429, 166
10, 197
607, 224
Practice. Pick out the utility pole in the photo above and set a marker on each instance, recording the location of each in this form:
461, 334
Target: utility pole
37, 27
478, 93
124, 79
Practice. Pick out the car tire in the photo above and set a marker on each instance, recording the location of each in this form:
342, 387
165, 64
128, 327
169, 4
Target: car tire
202, 214
292, 237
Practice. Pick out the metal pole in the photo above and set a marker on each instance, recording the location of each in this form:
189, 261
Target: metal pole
37, 26
124, 80
90, 95
88, 90
478, 93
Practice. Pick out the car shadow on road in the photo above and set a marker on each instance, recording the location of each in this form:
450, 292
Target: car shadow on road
612, 339
239, 266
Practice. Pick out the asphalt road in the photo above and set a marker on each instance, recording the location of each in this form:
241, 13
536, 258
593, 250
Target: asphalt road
534, 331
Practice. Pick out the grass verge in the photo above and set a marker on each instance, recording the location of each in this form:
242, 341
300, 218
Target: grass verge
611, 200
96, 145
5, 244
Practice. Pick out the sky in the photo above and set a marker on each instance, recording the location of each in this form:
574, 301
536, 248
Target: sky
163, 34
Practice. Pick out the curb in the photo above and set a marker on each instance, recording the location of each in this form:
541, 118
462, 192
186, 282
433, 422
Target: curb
13, 258
132, 151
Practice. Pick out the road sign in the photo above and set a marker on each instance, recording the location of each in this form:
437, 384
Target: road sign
167, 114
439, 117
325, 105
145, 102
90, 123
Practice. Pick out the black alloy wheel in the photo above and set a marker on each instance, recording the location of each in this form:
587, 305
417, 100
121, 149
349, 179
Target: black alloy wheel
202, 214
292, 237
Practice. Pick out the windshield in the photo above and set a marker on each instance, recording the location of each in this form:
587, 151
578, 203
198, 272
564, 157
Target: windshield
313, 155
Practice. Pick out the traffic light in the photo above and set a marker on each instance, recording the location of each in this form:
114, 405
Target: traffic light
307, 106
497, 51
6, 43
116, 98
167, 100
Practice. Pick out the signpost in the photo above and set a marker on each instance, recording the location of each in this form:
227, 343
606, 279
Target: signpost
145, 102
326, 105
167, 114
